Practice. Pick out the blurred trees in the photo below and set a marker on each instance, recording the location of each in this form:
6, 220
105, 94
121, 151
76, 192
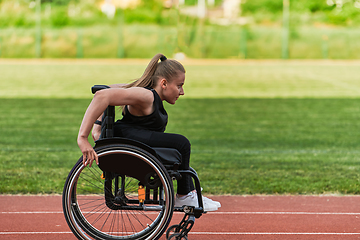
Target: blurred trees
58, 13
335, 12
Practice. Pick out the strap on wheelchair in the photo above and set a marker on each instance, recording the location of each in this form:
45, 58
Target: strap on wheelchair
107, 127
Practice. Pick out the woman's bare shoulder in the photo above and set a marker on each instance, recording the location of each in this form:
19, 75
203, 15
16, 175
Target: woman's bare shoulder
140, 95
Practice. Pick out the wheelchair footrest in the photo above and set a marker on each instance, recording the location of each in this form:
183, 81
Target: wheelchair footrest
196, 211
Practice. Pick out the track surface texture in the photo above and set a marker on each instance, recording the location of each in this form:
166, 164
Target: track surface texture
240, 217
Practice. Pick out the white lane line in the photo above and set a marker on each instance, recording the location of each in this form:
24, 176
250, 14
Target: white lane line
211, 213
287, 213
32, 212
268, 233
28, 233
205, 233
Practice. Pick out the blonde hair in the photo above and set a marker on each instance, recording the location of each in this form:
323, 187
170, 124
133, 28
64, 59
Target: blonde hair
166, 68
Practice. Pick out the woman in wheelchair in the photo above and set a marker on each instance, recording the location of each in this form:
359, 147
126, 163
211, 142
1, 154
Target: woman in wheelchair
144, 119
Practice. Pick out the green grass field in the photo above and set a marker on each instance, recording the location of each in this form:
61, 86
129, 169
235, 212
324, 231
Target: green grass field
256, 127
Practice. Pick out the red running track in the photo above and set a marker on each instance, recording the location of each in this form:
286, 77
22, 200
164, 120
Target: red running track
240, 217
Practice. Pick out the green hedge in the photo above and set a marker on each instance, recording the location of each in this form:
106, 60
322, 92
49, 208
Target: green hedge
143, 41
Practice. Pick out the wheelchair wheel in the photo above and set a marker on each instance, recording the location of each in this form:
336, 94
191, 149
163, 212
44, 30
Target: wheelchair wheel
128, 196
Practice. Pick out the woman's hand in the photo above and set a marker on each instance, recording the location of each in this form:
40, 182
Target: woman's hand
96, 131
89, 154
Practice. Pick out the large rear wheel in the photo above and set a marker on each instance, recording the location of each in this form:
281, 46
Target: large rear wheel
132, 201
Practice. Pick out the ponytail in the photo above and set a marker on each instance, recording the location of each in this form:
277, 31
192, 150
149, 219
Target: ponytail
167, 68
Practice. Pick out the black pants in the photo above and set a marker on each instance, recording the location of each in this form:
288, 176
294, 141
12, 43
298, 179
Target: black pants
167, 140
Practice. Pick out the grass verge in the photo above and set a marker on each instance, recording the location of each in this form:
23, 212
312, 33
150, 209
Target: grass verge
239, 146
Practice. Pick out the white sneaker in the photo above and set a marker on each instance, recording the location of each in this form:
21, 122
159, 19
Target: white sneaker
216, 203
192, 200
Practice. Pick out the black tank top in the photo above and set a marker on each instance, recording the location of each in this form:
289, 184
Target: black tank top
156, 121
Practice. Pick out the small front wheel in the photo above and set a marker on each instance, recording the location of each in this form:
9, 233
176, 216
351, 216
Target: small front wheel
172, 230
177, 236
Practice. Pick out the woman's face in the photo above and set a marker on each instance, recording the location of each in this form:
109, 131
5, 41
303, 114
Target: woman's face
174, 89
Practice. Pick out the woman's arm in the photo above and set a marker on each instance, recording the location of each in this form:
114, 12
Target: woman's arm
138, 98
96, 130
118, 85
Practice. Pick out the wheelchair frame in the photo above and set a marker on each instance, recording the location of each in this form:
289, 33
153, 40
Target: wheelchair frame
130, 195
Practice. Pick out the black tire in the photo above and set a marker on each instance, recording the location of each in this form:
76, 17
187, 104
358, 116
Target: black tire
177, 236
95, 213
172, 230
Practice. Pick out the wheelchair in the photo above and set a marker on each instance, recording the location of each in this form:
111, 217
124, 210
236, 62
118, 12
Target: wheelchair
130, 194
